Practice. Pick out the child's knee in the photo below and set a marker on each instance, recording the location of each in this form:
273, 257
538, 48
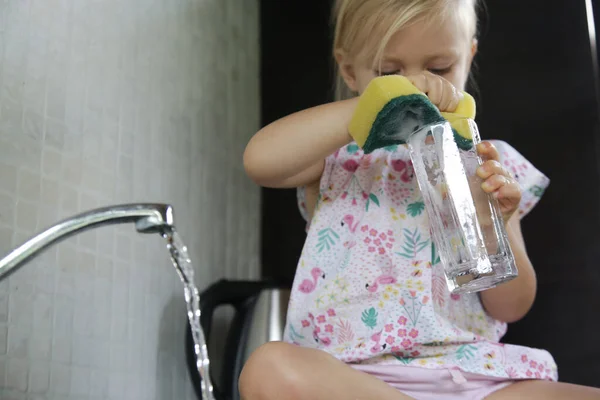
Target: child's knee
268, 372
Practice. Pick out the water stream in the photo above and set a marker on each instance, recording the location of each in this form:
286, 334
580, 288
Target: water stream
183, 265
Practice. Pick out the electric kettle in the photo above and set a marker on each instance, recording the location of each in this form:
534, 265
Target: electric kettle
260, 314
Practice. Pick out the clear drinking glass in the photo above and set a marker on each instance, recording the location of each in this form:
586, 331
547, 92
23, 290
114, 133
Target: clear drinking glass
466, 224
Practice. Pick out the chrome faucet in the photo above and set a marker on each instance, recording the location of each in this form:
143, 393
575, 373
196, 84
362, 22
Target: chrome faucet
148, 218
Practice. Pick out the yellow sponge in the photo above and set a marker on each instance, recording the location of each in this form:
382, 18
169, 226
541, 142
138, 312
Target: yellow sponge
391, 108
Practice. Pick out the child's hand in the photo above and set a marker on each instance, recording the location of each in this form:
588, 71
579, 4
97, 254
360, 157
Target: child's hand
498, 180
441, 92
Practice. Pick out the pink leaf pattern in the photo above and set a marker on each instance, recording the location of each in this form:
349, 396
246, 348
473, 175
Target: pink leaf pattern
438, 290
345, 332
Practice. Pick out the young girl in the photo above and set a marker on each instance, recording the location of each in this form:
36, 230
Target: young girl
370, 315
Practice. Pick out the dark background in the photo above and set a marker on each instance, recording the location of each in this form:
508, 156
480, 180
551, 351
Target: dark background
537, 92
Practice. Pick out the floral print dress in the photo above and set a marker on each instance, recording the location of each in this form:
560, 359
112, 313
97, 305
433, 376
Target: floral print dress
369, 287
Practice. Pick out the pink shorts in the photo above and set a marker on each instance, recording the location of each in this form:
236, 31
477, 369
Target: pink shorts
435, 384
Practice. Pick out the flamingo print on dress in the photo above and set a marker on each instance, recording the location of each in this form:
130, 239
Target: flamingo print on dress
349, 244
377, 347
308, 286
386, 278
350, 222
325, 340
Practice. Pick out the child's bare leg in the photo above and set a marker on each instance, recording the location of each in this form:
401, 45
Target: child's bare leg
279, 370
545, 390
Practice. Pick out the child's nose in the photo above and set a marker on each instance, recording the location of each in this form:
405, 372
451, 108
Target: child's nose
413, 70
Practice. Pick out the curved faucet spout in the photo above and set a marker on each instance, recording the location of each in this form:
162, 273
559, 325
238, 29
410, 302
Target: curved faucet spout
148, 218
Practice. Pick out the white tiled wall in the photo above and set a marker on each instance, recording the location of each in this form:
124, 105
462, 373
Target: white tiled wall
113, 101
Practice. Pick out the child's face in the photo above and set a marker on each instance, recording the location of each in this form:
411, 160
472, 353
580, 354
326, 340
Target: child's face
441, 49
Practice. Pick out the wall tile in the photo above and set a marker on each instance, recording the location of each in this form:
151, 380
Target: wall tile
106, 102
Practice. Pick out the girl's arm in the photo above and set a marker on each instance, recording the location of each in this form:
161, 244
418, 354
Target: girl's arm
509, 302
291, 151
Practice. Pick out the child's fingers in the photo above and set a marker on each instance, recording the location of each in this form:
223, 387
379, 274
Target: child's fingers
502, 187
439, 91
487, 151
450, 97
428, 84
494, 183
454, 97
510, 191
436, 91
420, 82
446, 96
492, 167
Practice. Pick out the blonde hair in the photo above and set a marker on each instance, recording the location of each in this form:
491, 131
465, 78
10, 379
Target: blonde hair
363, 28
